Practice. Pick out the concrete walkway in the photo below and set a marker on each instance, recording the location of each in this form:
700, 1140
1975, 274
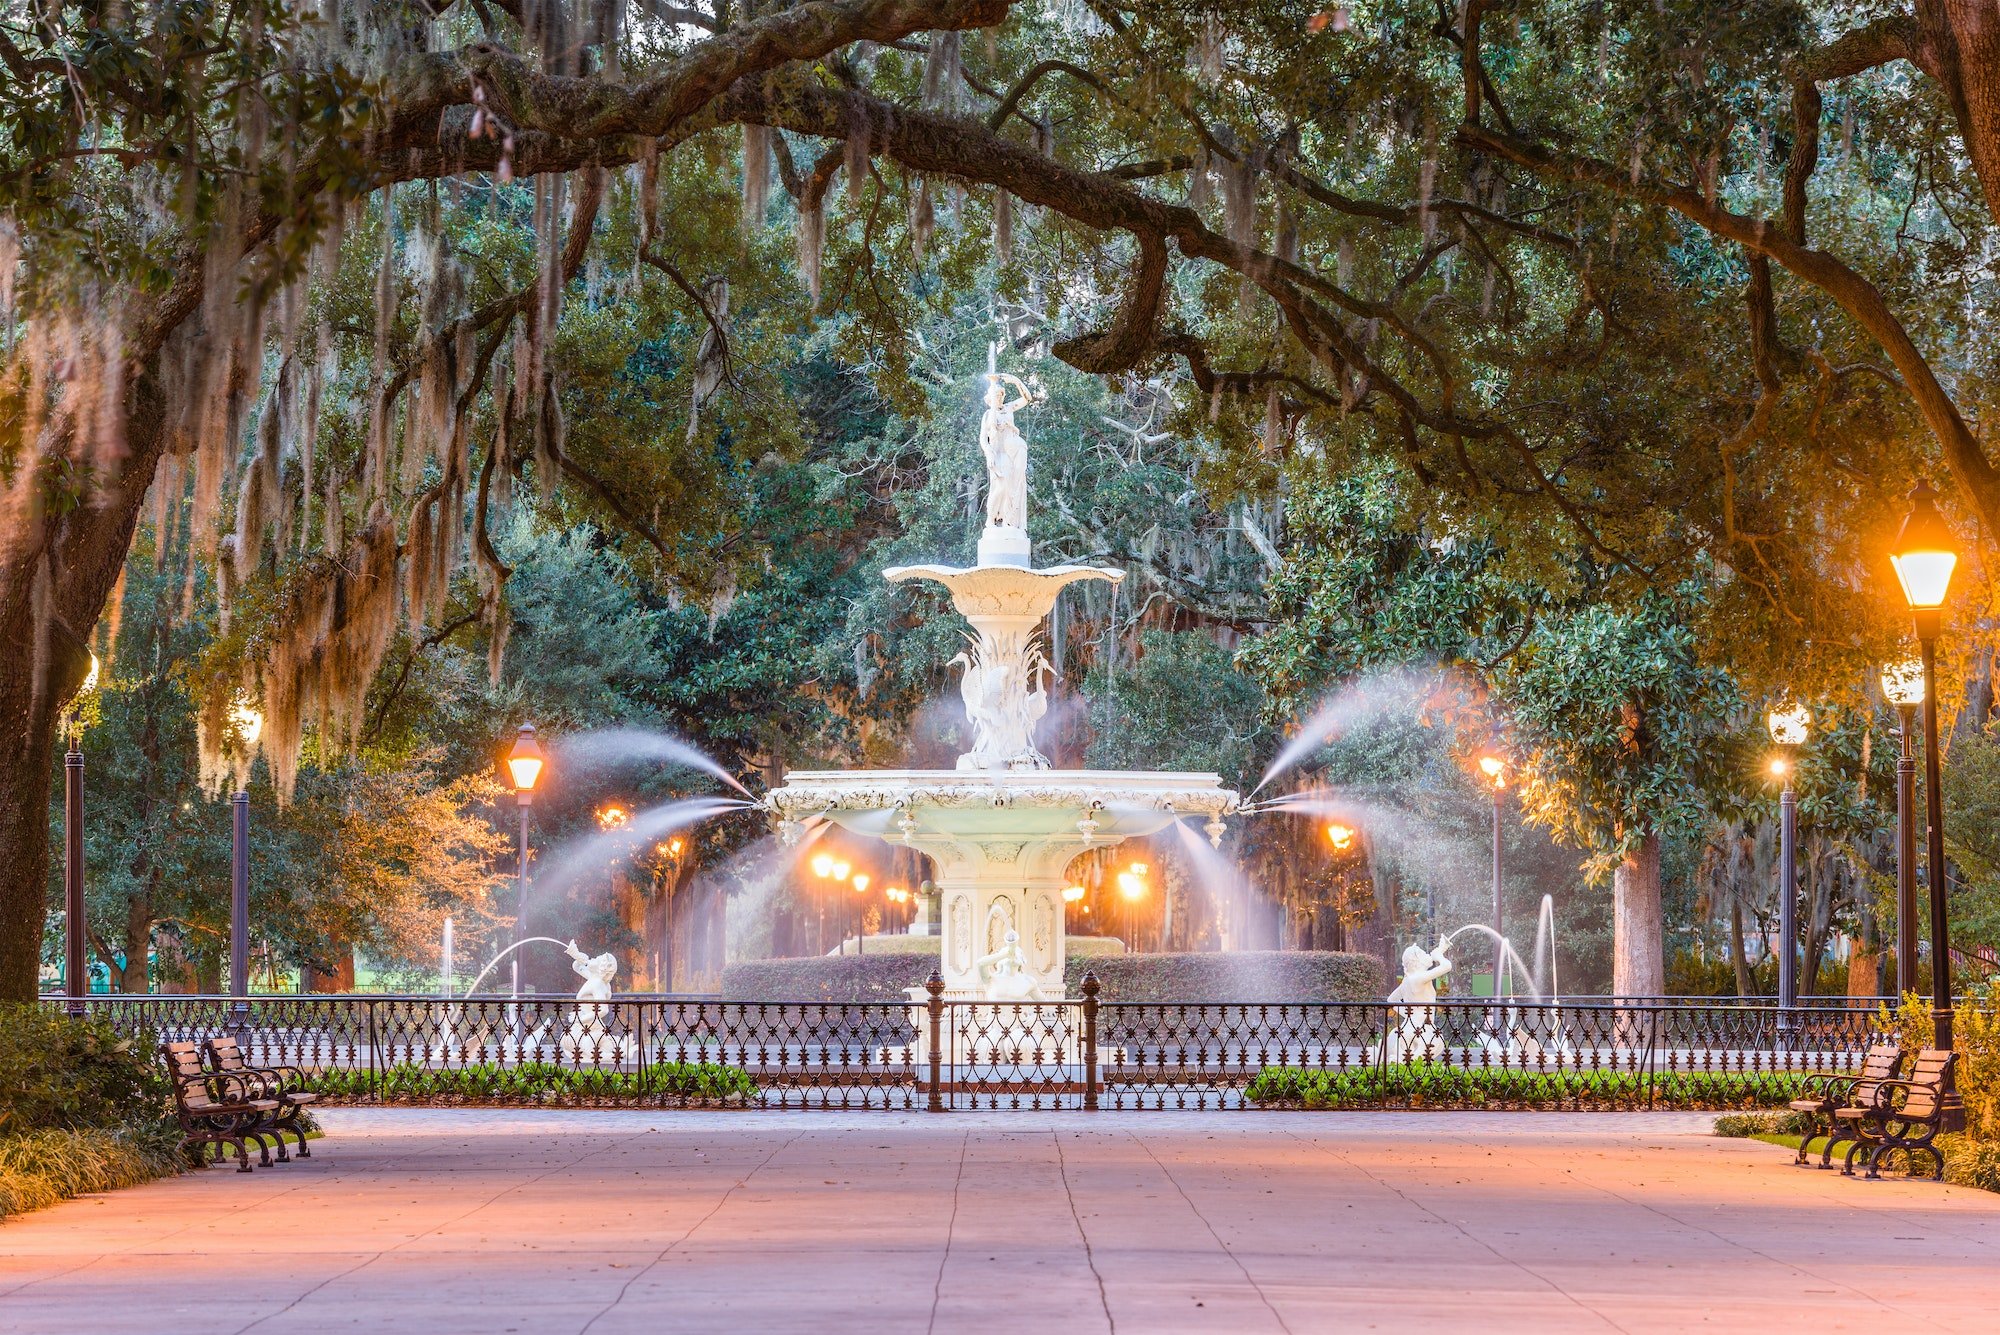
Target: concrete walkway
434, 1222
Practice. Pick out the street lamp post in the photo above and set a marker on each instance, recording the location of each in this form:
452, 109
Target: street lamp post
1924, 556
524, 763
76, 976
1903, 683
1496, 770
249, 726
1789, 727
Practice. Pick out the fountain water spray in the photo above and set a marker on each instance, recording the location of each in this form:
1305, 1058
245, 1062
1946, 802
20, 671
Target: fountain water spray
631, 746
1368, 697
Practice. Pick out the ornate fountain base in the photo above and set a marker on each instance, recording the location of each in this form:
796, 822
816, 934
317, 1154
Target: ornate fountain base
1001, 842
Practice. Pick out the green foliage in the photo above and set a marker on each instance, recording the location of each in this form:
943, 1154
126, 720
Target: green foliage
1620, 722
64, 1074
39, 1168
1743, 1126
1975, 1035
692, 1083
1438, 1085
1182, 706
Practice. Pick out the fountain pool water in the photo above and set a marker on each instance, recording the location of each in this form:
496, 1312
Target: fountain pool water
1001, 826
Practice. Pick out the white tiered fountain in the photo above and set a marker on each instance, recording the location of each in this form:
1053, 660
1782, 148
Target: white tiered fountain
1002, 826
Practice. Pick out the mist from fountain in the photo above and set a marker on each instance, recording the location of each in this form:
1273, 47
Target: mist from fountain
1223, 879
570, 861
633, 746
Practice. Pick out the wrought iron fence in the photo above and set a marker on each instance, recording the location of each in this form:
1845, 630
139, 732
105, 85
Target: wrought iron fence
1081, 1053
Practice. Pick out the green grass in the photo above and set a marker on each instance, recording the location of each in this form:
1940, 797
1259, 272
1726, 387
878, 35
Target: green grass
538, 1082
39, 1168
1436, 1085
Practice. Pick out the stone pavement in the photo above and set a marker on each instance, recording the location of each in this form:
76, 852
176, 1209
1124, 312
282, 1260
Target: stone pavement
434, 1222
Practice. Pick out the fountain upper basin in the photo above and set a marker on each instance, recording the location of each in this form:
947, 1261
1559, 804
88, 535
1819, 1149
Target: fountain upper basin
1000, 804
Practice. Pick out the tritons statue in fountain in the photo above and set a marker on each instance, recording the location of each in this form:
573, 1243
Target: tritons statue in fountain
1001, 826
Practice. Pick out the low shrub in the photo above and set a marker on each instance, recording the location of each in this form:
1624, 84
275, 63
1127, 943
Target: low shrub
1742, 1126
39, 1168
539, 1082
74, 1074
82, 1109
1438, 1085
1251, 975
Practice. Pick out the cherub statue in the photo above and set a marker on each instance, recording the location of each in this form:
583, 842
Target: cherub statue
1410, 1004
1006, 452
1005, 970
586, 1037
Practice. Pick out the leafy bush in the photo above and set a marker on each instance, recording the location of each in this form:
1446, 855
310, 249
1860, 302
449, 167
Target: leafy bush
60, 1073
1975, 1035
539, 1082
1438, 1085
1742, 1126
1250, 975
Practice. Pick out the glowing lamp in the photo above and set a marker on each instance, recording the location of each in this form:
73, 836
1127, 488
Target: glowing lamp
1340, 836
1779, 767
1788, 724
1072, 893
524, 761
1925, 553
841, 869
860, 883
1495, 769
1131, 885
822, 865
1140, 869
249, 723
1903, 683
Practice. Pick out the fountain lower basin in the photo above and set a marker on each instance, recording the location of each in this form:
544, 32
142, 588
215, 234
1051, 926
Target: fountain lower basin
1001, 841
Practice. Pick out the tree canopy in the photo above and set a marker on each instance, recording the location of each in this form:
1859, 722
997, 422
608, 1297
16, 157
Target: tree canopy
1630, 293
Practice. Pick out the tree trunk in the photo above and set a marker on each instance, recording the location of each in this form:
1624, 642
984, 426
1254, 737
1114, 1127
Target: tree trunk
1864, 962
74, 557
1746, 985
1638, 953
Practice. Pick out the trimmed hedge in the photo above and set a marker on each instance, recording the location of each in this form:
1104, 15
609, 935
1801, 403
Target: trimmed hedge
1437, 1085
830, 978
1259, 975
1250, 975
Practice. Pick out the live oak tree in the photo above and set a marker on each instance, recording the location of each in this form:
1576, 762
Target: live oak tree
259, 265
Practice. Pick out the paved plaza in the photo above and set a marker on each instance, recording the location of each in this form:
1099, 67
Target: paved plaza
608, 1222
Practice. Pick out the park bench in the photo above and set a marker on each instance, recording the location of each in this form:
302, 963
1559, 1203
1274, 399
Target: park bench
216, 1109
286, 1084
1825, 1093
1905, 1114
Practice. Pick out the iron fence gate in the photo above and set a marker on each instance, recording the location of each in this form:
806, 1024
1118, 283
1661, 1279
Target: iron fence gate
1081, 1053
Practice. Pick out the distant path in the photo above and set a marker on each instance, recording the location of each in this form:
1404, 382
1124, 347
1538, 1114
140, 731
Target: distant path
434, 1222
